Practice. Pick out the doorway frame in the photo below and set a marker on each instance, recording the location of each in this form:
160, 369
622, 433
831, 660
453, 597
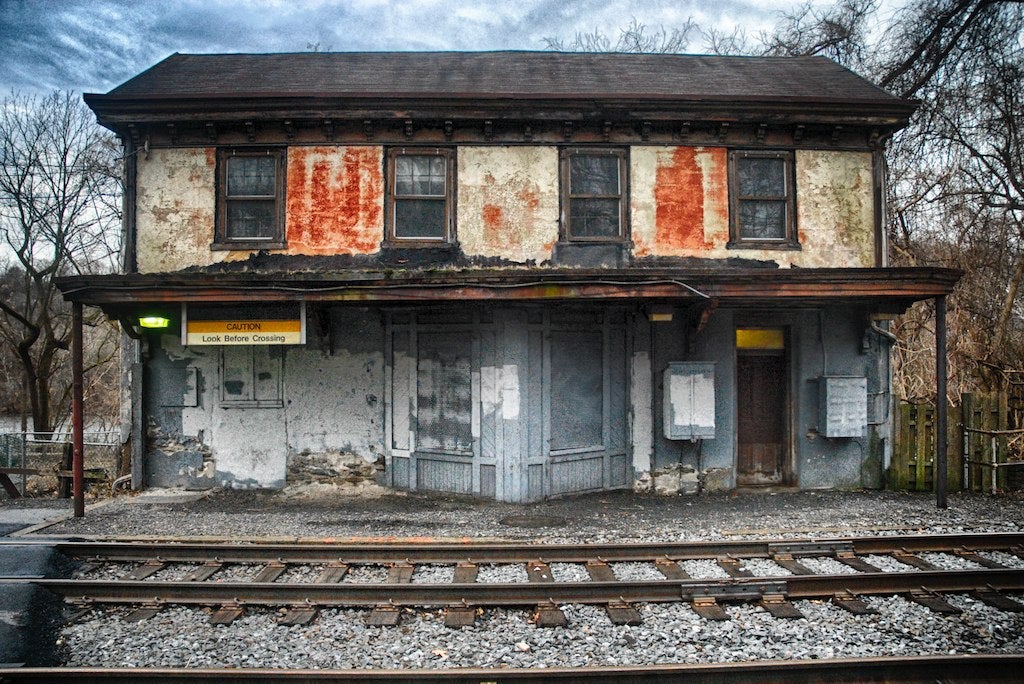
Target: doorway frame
788, 468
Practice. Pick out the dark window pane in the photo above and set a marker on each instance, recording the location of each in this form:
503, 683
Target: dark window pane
420, 175
250, 219
419, 219
249, 176
577, 390
593, 174
763, 219
594, 218
762, 177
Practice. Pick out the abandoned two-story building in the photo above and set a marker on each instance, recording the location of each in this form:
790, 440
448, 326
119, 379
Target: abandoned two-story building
509, 274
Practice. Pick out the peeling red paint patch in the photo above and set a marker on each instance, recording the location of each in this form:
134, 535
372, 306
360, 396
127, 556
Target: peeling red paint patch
530, 199
334, 200
211, 156
492, 218
679, 202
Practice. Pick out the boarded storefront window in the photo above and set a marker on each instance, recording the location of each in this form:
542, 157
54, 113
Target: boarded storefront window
251, 377
444, 392
577, 389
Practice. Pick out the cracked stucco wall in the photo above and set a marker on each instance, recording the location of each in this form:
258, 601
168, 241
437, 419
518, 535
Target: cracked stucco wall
332, 404
508, 201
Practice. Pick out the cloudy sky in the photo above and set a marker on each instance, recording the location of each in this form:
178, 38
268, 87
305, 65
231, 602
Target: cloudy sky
93, 45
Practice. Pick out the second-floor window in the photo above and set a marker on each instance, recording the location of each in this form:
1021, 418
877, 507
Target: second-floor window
762, 199
420, 203
593, 195
250, 199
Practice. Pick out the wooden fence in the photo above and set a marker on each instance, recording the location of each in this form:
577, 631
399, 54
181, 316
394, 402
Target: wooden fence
979, 425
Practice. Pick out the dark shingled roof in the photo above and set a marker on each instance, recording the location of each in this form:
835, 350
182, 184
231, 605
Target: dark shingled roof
492, 75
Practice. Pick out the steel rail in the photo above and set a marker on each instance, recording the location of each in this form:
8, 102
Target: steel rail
946, 668
511, 552
523, 594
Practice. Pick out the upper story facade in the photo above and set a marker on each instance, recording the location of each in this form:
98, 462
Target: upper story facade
523, 160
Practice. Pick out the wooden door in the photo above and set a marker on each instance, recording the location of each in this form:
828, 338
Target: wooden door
761, 422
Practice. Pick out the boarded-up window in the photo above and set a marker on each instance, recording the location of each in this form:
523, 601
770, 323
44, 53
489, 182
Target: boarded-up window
577, 390
251, 377
444, 398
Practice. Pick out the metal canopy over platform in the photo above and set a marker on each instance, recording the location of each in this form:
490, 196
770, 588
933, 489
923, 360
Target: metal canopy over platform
897, 287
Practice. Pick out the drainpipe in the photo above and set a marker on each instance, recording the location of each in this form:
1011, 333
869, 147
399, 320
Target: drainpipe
941, 417
77, 429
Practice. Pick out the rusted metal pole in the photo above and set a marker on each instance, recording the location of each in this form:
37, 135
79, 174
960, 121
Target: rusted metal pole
77, 429
941, 410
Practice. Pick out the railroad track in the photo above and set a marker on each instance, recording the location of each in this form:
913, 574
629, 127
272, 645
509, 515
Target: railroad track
143, 578
136, 570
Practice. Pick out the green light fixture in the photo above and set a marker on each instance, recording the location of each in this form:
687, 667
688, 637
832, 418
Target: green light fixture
154, 322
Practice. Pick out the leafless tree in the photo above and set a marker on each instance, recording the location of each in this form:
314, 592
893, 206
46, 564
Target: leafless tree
59, 215
636, 37
956, 192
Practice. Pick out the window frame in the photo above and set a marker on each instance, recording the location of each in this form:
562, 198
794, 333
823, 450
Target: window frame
392, 196
566, 196
267, 359
791, 239
221, 239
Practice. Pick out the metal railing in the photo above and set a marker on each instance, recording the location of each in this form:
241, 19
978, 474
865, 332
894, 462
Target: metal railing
19, 449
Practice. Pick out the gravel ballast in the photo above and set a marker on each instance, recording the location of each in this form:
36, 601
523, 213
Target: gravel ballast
670, 633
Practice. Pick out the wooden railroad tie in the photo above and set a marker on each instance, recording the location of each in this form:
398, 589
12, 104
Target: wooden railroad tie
203, 572
852, 603
147, 569
854, 561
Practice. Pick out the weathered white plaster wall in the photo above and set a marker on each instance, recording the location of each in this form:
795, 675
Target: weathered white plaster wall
835, 207
508, 201
641, 394
333, 403
175, 205
335, 400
